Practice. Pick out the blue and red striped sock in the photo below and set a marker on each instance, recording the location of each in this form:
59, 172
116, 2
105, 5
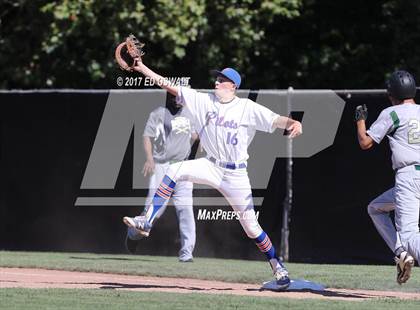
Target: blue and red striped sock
264, 244
163, 194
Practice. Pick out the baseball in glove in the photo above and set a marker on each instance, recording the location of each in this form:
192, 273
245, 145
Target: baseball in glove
129, 52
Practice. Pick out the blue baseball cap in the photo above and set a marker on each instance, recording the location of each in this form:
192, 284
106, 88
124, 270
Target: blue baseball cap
230, 74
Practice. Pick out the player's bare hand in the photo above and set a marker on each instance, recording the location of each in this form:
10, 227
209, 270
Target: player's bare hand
149, 167
295, 129
138, 65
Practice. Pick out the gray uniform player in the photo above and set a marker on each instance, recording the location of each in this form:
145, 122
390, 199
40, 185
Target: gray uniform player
401, 124
166, 138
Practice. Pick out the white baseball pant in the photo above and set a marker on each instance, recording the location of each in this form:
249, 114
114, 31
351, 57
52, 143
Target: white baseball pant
232, 183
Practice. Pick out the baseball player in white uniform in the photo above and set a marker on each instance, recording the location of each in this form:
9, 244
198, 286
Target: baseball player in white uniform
226, 125
401, 124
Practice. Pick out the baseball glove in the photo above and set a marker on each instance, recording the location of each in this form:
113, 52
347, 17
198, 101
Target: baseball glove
129, 52
361, 113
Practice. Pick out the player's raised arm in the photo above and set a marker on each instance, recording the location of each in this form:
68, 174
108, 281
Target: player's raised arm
157, 79
294, 127
365, 141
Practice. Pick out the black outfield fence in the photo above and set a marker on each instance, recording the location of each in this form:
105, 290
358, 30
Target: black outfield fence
46, 141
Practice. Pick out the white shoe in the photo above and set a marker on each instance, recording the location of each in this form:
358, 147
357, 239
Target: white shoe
404, 264
282, 278
140, 223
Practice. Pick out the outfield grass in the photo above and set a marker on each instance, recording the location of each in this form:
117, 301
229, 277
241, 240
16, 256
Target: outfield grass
338, 276
111, 299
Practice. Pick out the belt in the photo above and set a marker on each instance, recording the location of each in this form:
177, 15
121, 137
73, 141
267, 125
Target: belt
227, 165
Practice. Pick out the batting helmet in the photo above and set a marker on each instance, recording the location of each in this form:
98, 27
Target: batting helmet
401, 85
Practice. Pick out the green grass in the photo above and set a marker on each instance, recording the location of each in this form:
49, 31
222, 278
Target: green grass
338, 276
111, 299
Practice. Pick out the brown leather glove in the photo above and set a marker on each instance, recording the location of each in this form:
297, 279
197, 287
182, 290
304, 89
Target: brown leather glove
129, 52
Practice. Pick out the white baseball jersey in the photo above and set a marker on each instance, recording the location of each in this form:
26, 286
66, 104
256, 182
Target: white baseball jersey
226, 129
401, 124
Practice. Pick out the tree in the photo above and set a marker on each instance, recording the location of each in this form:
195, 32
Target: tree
72, 42
274, 44
342, 45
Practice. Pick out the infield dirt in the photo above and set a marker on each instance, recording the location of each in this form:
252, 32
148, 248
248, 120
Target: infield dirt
43, 278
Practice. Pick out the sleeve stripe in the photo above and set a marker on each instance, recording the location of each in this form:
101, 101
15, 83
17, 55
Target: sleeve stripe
395, 119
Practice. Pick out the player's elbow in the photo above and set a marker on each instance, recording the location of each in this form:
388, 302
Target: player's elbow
365, 144
365, 141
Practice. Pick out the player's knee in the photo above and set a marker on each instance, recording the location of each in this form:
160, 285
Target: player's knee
370, 209
373, 208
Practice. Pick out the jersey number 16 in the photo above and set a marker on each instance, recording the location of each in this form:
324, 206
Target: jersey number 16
231, 139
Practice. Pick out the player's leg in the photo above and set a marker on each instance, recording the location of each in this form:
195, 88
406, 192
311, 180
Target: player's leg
198, 171
237, 190
407, 195
379, 211
183, 201
133, 235
407, 191
155, 179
